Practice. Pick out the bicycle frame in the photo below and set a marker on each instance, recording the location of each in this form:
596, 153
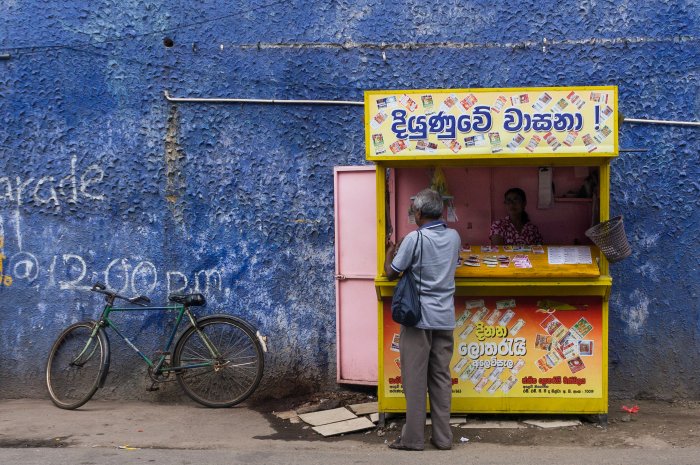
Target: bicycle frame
156, 365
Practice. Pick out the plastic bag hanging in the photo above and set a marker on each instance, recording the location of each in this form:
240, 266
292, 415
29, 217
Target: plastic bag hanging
438, 183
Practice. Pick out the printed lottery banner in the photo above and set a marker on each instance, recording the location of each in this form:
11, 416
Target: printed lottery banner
535, 121
524, 347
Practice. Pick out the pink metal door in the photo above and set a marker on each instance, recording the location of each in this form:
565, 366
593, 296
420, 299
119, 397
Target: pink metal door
355, 268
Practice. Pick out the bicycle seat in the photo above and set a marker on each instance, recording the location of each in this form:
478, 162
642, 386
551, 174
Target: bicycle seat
190, 300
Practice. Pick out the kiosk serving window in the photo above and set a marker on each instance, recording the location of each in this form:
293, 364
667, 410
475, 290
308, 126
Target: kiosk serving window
562, 210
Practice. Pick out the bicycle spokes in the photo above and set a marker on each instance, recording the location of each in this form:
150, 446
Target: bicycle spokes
76, 364
220, 363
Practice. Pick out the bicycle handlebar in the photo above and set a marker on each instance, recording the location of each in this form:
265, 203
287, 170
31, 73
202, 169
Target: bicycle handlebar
100, 288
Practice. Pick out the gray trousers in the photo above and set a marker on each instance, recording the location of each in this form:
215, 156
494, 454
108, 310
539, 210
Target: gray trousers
425, 366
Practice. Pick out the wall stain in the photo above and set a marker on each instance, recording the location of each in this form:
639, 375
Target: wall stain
174, 159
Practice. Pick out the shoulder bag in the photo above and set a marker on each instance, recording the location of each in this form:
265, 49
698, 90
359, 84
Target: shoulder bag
405, 304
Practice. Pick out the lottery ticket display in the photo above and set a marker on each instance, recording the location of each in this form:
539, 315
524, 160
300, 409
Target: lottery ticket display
534, 121
517, 347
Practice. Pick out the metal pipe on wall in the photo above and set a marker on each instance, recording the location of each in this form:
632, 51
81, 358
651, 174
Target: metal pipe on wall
351, 102
660, 121
255, 100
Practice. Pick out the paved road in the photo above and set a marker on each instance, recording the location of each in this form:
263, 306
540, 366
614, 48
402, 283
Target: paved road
352, 452
172, 434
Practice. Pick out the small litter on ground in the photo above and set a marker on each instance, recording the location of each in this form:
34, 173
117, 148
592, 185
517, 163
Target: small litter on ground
633, 409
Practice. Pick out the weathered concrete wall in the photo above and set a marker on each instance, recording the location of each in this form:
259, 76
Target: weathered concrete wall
101, 178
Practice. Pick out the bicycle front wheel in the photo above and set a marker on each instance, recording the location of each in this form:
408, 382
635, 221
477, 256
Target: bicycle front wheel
221, 364
75, 366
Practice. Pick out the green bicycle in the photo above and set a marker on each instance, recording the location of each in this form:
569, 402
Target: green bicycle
218, 360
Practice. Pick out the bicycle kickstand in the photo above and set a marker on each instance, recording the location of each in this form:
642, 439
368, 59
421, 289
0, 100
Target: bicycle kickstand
153, 387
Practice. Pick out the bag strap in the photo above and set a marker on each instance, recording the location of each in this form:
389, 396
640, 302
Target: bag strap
413, 254
415, 246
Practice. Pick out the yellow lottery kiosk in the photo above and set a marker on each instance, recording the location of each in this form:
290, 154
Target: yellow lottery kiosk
532, 321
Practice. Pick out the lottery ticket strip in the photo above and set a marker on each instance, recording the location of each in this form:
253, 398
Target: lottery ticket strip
528, 261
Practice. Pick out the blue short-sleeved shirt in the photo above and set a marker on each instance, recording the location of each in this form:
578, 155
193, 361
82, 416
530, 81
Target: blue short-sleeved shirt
437, 257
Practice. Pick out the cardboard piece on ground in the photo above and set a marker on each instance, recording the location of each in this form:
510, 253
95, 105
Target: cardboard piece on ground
364, 409
347, 426
324, 417
453, 420
374, 418
493, 425
552, 423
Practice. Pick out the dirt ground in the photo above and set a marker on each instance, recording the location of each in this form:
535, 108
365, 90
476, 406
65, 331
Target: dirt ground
657, 424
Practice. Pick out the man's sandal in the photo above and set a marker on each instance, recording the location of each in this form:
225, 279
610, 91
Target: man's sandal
437, 446
398, 446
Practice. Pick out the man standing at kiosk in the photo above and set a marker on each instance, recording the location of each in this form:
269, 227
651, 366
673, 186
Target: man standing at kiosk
426, 349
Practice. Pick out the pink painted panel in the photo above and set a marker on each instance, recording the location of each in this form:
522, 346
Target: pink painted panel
357, 336
356, 262
356, 221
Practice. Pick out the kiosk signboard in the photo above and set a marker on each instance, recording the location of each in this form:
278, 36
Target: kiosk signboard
467, 122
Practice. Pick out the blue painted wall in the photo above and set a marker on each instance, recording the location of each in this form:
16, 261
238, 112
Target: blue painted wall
101, 178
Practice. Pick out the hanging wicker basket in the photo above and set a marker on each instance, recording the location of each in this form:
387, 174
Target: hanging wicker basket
610, 237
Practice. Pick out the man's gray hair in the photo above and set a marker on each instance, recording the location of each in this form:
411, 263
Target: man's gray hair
429, 203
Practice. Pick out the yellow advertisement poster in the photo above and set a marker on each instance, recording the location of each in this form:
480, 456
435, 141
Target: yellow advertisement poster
462, 122
517, 347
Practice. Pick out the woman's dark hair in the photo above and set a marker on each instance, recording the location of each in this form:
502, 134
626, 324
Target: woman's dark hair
520, 193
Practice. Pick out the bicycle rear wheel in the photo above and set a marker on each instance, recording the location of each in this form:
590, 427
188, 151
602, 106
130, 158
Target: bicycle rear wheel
76, 364
227, 378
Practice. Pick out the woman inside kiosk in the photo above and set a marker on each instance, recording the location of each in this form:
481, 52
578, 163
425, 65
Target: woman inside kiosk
516, 228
